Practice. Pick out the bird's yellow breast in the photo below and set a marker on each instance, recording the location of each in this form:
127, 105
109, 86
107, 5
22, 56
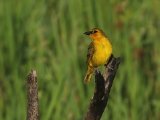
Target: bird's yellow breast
103, 51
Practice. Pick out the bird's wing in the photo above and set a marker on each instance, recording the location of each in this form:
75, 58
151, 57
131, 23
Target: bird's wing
90, 53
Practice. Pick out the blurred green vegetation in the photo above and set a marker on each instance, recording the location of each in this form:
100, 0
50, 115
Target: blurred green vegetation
47, 35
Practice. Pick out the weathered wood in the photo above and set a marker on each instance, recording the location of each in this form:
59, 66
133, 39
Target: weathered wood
103, 84
32, 96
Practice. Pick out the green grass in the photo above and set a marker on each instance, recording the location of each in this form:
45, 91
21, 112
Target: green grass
48, 36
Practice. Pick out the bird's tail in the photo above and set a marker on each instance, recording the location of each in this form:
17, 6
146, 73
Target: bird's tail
88, 74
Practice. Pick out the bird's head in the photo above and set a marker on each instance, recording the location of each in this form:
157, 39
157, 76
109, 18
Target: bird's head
95, 33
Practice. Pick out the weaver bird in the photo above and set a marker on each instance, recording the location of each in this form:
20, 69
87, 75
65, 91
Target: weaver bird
99, 51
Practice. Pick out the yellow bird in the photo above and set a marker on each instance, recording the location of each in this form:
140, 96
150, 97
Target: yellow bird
99, 51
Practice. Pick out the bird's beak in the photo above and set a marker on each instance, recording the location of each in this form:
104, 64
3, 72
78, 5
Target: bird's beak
88, 32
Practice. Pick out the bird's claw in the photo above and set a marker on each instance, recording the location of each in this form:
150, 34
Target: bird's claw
97, 71
110, 67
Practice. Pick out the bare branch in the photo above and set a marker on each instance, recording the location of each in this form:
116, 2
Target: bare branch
102, 90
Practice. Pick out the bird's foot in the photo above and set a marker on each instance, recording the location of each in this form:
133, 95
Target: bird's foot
96, 71
110, 67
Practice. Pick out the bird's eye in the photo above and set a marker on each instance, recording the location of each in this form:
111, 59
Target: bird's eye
94, 31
